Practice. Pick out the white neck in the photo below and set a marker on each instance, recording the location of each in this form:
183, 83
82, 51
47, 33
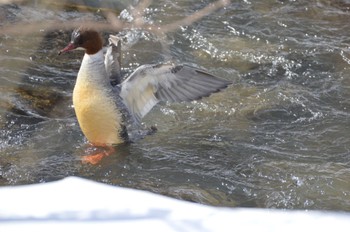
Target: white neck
93, 68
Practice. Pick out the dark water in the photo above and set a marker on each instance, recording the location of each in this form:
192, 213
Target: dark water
278, 138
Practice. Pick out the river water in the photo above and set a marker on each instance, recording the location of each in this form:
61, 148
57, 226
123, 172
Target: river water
277, 138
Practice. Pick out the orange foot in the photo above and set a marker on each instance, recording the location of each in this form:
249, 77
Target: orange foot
96, 157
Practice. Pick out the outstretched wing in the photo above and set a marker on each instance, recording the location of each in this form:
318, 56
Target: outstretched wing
149, 84
112, 59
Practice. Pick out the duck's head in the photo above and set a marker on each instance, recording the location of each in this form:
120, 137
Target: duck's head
87, 39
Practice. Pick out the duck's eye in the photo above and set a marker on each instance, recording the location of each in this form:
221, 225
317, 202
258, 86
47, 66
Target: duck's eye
77, 37
78, 40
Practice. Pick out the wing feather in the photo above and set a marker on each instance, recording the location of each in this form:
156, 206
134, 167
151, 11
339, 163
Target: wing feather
149, 84
113, 59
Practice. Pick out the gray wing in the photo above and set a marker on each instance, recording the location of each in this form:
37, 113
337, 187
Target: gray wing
113, 59
149, 84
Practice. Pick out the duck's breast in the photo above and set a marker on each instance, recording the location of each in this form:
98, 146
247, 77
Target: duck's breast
95, 107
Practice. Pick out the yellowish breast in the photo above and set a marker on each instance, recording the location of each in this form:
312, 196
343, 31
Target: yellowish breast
97, 114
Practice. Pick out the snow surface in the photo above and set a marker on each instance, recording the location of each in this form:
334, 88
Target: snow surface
76, 204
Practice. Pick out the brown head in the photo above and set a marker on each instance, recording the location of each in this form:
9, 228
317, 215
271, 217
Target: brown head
85, 38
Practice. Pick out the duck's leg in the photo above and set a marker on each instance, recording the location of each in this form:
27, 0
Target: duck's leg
98, 155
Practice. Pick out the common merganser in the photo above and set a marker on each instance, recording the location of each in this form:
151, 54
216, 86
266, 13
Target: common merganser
105, 111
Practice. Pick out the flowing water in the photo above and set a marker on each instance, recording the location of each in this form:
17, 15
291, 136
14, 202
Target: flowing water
277, 138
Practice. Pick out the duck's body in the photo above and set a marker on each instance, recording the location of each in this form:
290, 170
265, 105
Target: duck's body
95, 104
104, 111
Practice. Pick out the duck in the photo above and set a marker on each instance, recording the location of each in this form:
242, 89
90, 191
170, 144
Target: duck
107, 112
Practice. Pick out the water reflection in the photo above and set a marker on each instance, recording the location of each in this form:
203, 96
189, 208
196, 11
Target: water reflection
278, 138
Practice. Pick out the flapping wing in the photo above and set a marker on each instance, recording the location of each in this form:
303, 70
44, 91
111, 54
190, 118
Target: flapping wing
149, 84
112, 59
